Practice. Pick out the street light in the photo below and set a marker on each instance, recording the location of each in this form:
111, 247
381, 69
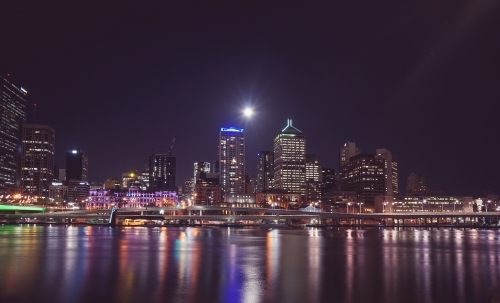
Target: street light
348, 204
361, 203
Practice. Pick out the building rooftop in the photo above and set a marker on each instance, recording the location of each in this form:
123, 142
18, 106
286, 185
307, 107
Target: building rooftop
290, 129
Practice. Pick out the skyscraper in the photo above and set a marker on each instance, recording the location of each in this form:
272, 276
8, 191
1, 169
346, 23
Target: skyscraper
162, 171
232, 161
12, 115
188, 189
347, 151
77, 165
328, 181
364, 174
371, 175
313, 168
37, 160
129, 178
416, 186
313, 178
328, 184
265, 171
290, 160
201, 167
390, 171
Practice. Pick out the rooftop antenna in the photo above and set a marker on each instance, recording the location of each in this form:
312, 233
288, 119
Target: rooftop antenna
171, 147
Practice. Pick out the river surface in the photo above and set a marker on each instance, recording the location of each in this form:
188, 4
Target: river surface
139, 264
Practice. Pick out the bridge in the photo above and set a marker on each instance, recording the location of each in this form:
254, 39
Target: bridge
225, 214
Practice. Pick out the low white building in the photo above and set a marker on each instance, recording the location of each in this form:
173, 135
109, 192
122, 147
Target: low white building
134, 197
399, 204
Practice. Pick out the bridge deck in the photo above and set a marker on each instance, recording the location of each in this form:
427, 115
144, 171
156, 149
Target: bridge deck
239, 213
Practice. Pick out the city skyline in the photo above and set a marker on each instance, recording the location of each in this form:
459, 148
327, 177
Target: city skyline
420, 83
342, 156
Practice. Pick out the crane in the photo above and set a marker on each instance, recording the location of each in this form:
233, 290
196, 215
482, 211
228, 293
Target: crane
171, 147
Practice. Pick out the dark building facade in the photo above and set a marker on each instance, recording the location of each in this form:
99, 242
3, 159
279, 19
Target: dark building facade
416, 186
215, 167
37, 160
12, 115
265, 171
55, 174
162, 171
329, 181
77, 165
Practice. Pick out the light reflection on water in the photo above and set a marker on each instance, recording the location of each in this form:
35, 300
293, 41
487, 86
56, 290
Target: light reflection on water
135, 264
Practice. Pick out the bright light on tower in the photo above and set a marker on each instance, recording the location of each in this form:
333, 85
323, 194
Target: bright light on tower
248, 112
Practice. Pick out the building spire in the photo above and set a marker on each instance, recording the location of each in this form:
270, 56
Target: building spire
290, 127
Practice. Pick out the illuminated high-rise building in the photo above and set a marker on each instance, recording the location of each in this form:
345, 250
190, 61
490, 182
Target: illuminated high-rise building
347, 151
188, 189
265, 171
77, 165
37, 160
12, 115
364, 174
135, 178
201, 167
371, 175
162, 171
232, 161
313, 168
290, 160
313, 178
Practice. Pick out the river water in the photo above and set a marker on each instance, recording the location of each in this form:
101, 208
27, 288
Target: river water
139, 264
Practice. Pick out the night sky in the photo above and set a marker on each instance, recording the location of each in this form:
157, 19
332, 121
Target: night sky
120, 80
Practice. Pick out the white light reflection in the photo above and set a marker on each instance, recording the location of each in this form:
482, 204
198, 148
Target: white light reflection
272, 256
162, 268
390, 272
315, 247
459, 264
72, 266
349, 253
252, 283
